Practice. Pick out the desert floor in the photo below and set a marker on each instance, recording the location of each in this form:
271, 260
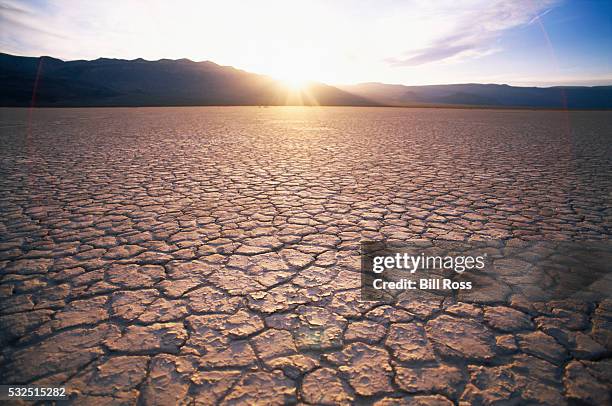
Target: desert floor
211, 255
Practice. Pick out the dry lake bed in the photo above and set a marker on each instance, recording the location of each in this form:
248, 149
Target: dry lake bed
211, 255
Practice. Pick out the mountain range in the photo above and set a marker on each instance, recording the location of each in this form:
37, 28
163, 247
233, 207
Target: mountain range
488, 95
117, 82
46, 81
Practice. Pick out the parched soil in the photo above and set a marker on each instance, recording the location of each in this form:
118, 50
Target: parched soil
211, 255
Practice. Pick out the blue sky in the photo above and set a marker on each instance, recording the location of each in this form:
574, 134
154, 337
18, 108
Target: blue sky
519, 42
573, 40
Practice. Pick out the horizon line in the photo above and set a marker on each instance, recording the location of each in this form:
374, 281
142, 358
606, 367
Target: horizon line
312, 81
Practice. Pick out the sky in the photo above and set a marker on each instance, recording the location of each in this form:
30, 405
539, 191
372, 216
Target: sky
412, 42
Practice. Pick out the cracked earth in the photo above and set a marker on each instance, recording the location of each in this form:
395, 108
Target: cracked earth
211, 255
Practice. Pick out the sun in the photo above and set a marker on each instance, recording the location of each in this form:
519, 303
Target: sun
293, 83
296, 84
294, 74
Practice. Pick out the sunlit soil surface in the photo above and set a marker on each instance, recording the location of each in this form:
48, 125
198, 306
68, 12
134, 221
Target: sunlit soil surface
211, 254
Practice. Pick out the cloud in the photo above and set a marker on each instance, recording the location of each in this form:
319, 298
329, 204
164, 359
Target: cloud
538, 16
18, 20
22, 29
10, 8
438, 51
473, 29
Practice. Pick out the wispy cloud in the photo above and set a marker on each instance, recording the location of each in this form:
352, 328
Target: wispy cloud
11, 8
20, 21
534, 19
473, 29
22, 28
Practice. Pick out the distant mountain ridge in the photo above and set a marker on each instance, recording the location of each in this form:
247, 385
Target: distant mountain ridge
489, 95
182, 82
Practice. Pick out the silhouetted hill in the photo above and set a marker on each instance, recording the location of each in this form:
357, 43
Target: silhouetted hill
472, 94
116, 82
